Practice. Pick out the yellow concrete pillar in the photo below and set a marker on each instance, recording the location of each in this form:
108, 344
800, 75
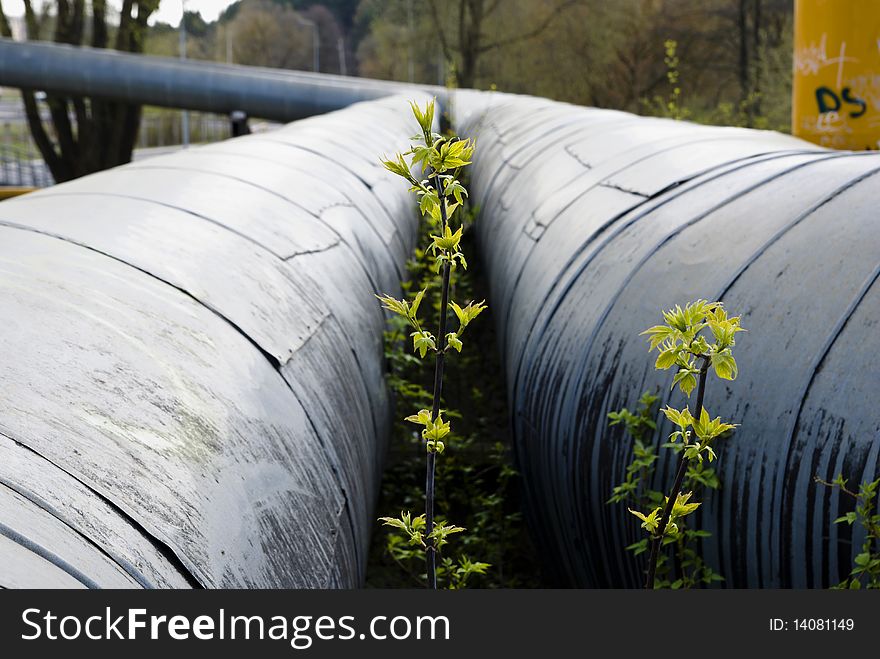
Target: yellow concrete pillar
836, 85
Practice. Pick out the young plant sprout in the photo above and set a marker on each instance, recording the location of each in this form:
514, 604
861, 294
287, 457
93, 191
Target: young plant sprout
865, 572
439, 192
695, 339
688, 569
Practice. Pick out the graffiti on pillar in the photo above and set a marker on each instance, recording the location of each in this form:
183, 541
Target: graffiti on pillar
828, 101
836, 96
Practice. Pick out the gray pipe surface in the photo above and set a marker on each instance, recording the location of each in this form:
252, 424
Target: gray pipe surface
592, 222
274, 94
193, 370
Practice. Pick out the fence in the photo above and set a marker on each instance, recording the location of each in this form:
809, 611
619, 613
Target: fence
165, 128
21, 163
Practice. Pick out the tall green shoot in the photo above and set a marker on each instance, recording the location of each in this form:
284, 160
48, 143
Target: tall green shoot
440, 160
682, 343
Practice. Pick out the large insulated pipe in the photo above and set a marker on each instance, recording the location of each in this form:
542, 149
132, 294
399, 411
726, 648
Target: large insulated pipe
274, 94
594, 221
192, 368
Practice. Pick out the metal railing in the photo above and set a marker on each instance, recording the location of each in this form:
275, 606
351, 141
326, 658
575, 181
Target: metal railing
21, 165
166, 129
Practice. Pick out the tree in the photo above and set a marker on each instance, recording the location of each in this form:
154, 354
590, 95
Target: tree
288, 43
268, 34
330, 35
383, 34
85, 135
477, 39
471, 19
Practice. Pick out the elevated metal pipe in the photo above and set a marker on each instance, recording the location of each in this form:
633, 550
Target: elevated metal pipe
274, 94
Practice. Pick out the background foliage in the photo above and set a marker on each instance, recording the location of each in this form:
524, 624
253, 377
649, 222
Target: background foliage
734, 56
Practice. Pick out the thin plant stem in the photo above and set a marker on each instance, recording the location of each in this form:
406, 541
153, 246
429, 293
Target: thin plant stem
430, 550
676, 487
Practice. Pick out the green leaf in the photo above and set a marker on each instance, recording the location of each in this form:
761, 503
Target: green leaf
420, 155
639, 547
410, 526
682, 419
423, 417
398, 166
467, 313
724, 365
707, 429
448, 241
466, 566
681, 507
441, 532
665, 359
414, 307
434, 433
435, 214
426, 117
457, 190
422, 342
392, 521
400, 307
428, 204
657, 335
452, 154
453, 340
695, 533
686, 381
450, 210
437, 429
651, 521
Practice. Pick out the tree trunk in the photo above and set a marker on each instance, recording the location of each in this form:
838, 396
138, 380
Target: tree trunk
757, 41
743, 64
86, 135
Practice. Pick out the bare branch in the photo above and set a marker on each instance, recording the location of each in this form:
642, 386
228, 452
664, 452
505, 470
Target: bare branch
99, 24
123, 39
77, 23
492, 8
5, 29
56, 165
438, 26
32, 23
531, 34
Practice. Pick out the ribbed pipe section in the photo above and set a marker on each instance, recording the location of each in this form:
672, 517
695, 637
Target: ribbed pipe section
591, 223
192, 373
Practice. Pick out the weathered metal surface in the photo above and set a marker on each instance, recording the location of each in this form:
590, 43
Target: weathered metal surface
592, 222
95, 518
22, 568
48, 537
272, 301
276, 94
192, 378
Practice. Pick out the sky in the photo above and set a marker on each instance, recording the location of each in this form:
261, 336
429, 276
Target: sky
169, 10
